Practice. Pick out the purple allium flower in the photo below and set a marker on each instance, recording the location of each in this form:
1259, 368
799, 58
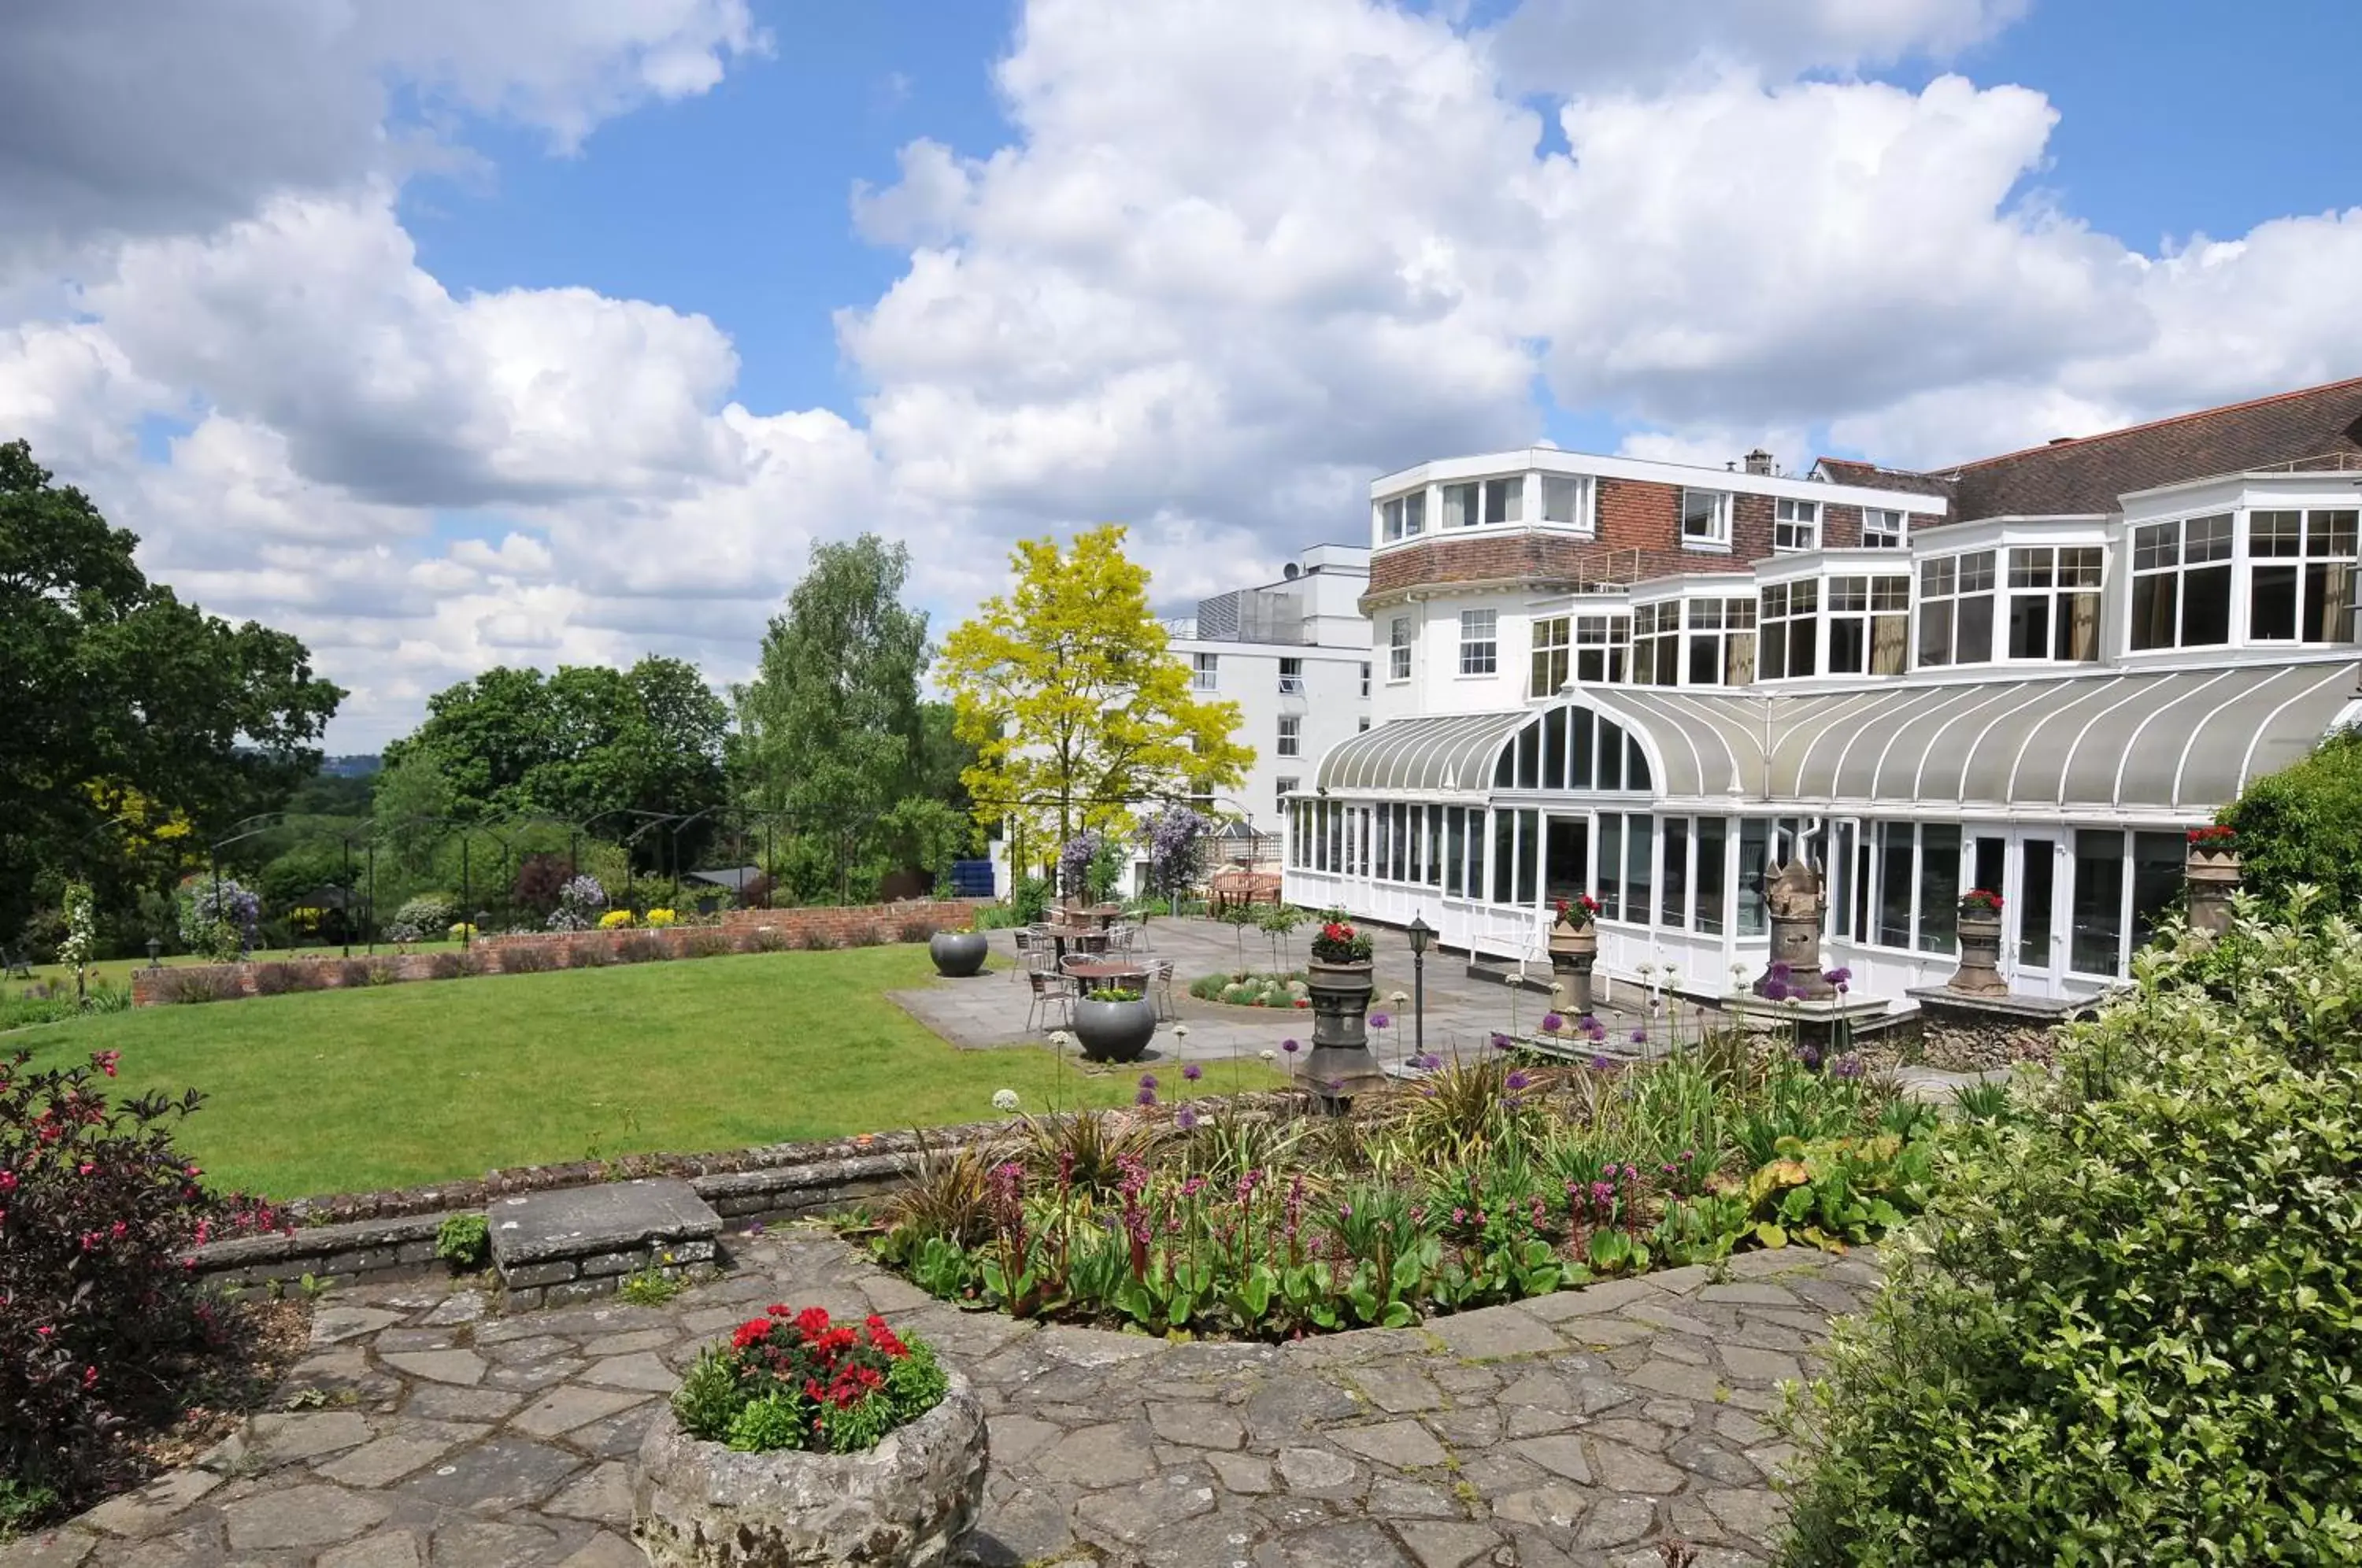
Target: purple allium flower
1519, 1079
1775, 991
1600, 1064
1185, 1118
1379, 1020
1335, 1086
1502, 1043
1810, 1055
1838, 977
1290, 1047
1552, 1023
1594, 1028
1846, 1067
1344, 1211
1193, 1072
1780, 970
1148, 1080
1640, 1037
1145, 1097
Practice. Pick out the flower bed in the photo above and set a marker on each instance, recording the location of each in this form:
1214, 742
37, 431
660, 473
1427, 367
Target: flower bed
1487, 1182
1249, 988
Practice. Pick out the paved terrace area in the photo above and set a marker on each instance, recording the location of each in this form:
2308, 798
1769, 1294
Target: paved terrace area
1584, 1427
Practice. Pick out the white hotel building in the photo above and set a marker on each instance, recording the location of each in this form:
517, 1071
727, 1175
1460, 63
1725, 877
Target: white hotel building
1646, 681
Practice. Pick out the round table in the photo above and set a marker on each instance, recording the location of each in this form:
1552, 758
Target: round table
1102, 972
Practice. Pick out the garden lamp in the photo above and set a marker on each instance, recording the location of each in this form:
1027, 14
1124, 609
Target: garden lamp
155, 954
1420, 934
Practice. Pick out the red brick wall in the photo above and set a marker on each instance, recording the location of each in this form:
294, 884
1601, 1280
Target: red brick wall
1840, 526
862, 922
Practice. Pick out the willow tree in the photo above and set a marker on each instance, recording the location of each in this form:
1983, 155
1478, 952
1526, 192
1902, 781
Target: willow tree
1076, 708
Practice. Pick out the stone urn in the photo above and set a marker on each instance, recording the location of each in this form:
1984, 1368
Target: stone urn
908, 1501
1794, 900
1574, 951
2212, 876
1980, 930
957, 954
1114, 1031
1340, 1064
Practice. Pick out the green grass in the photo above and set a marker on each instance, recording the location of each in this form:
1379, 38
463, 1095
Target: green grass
396, 1086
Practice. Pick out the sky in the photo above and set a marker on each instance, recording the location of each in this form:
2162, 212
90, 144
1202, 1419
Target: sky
448, 335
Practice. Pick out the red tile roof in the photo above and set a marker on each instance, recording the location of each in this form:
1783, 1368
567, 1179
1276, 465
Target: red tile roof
2087, 474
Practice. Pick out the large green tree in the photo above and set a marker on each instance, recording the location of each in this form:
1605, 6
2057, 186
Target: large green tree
123, 711
586, 742
1077, 710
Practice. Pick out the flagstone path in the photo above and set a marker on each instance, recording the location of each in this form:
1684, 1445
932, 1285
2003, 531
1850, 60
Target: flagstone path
1594, 1428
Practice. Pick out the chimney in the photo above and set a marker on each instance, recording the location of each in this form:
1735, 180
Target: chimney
1759, 462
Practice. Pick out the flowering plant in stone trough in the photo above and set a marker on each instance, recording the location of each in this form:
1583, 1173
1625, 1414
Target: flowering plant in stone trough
794, 1380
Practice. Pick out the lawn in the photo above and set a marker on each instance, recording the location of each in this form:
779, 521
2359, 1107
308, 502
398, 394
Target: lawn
395, 1086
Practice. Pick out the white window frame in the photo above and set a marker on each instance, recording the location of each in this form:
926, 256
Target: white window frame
1205, 672
1863, 601
1716, 517
2220, 539
1480, 655
2320, 544
1291, 736
1282, 790
1291, 682
1890, 530
1402, 516
1606, 642
1576, 491
1992, 564
2039, 572
1776, 607
1550, 640
1398, 644
1795, 526
1504, 500
1365, 677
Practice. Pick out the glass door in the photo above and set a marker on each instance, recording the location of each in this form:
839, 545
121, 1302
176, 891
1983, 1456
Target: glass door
2032, 895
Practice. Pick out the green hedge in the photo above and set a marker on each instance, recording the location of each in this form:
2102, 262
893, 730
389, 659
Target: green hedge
2302, 825
2127, 1330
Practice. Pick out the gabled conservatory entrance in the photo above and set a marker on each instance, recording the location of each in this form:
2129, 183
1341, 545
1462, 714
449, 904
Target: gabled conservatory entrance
2070, 796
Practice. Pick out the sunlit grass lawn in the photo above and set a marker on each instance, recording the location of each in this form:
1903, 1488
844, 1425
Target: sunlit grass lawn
395, 1086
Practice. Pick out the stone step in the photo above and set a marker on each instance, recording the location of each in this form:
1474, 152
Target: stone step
577, 1243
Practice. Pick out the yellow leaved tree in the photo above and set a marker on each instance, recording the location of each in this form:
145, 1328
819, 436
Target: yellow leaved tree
1077, 710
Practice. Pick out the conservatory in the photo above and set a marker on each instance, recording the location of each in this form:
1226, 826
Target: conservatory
2069, 793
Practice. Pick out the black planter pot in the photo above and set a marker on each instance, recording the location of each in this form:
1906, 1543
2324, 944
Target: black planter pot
1114, 1031
957, 954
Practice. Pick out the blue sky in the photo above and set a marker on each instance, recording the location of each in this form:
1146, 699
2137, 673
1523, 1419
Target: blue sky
446, 335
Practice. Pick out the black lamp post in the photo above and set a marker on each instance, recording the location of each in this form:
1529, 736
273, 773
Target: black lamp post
155, 954
1420, 934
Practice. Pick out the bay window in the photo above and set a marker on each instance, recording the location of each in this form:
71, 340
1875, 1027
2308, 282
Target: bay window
1721, 642
1790, 633
2054, 602
1600, 648
1956, 610
1657, 643
2300, 584
1405, 516
2182, 583
1869, 622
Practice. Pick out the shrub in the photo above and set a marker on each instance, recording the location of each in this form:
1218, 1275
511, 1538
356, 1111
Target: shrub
588, 955
764, 939
444, 966
383, 972
462, 930
642, 948
273, 979
614, 920
707, 941
802, 1381
657, 919
200, 983
817, 939
581, 904
917, 930
353, 972
528, 958
2134, 1319
464, 1240
100, 1317
1029, 899
427, 911
219, 917
541, 881
2299, 826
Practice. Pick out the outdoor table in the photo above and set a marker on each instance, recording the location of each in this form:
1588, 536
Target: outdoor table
1102, 972
1082, 940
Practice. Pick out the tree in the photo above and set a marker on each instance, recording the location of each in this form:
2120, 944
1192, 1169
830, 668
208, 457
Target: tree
1077, 711
586, 741
2299, 825
111, 688
830, 728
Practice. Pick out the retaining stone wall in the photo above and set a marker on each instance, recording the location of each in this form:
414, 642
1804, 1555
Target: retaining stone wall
790, 928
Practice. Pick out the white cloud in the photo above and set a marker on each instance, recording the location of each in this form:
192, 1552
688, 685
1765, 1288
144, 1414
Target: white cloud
1236, 258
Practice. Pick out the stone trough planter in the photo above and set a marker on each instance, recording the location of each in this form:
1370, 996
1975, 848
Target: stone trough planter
908, 1501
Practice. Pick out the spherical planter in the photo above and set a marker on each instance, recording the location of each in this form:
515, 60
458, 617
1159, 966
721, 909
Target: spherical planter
1114, 1031
908, 1501
957, 954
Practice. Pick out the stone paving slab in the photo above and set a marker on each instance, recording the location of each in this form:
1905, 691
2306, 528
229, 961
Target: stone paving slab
615, 1216
1588, 1428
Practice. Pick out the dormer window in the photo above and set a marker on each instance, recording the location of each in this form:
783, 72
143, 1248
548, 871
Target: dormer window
2054, 602
1796, 526
1870, 625
2301, 586
1790, 633
1956, 610
2182, 583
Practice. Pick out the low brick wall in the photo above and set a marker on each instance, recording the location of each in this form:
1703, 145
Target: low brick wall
740, 930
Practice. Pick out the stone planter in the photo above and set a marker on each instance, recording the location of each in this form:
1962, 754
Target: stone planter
1341, 1031
908, 1501
2211, 875
957, 954
1979, 972
1114, 1031
1574, 951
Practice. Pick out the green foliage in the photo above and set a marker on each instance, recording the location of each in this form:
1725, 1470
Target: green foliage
2299, 826
775, 1421
797, 1381
1030, 898
651, 1286
1242, 988
132, 721
707, 1400
464, 1241
2130, 1329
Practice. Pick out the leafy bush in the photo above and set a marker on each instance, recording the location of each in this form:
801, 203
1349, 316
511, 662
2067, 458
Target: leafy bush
1029, 899
657, 919
765, 939
642, 948
427, 911
588, 955
464, 1241
2132, 1325
916, 931
818, 940
199, 983
614, 920
2299, 826
95, 1207
219, 917
581, 904
802, 1381
706, 941
541, 882
444, 966
1245, 989
271, 979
